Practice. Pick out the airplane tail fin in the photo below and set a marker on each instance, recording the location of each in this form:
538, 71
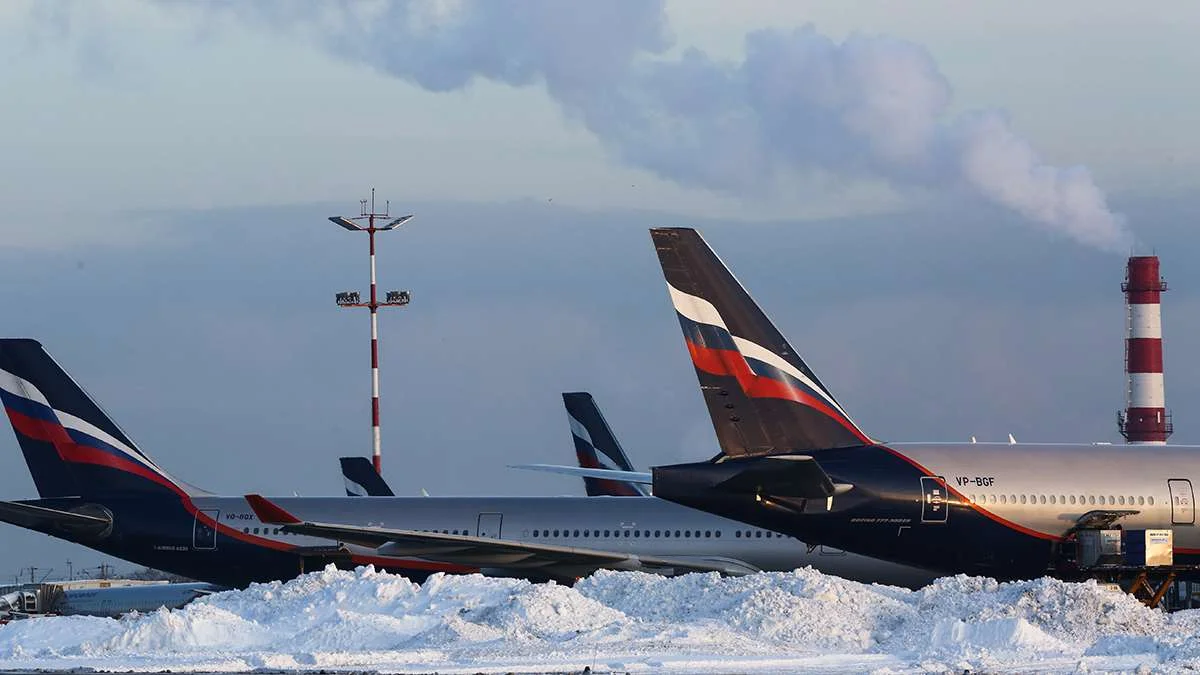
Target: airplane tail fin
362, 480
72, 447
597, 448
762, 398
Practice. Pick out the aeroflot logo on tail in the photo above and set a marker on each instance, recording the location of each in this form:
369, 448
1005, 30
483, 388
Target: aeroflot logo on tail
756, 362
22, 400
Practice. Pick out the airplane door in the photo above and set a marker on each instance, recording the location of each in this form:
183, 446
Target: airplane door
489, 524
1183, 506
204, 537
934, 508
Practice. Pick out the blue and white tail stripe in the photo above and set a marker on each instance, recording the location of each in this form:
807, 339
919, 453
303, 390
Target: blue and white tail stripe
709, 323
580, 432
22, 398
762, 360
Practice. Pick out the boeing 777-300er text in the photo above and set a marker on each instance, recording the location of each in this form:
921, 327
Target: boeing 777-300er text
99, 489
793, 461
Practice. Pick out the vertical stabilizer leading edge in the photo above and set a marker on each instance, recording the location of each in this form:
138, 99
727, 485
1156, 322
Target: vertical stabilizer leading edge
597, 448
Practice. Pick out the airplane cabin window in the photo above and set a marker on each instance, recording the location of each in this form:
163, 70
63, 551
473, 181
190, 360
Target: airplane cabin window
1141, 501
758, 534
718, 534
1150, 501
246, 530
676, 534
687, 534
1022, 499
1052, 499
607, 533
1042, 499
556, 533
1121, 500
657, 534
1003, 499
737, 534
708, 534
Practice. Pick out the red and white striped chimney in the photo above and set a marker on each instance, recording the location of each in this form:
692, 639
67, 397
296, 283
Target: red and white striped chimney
1145, 421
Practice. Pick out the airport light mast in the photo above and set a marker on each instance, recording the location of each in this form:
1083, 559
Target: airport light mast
392, 299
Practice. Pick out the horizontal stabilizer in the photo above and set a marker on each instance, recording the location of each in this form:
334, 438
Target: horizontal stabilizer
41, 518
639, 477
785, 476
269, 512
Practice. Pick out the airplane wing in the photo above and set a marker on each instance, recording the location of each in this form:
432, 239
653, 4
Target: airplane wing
639, 477
487, 552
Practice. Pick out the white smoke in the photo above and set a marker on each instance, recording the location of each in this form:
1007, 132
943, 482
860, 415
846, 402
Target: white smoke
869, 107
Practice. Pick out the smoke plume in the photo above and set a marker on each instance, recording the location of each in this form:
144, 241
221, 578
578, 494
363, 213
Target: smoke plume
869, 107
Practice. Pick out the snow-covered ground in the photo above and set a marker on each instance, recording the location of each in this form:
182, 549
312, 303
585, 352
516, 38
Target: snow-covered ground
625, 621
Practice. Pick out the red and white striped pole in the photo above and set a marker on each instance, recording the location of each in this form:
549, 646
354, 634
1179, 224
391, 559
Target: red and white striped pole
352, 299
1145, 421
376, 457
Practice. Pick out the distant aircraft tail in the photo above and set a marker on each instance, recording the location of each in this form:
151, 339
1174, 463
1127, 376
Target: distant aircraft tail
762, 398
72, 447
362, 480
597, 448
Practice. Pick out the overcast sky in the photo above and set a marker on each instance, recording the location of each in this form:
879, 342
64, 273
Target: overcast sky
166, 170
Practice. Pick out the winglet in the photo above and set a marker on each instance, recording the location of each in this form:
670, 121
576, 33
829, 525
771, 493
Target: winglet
268, 512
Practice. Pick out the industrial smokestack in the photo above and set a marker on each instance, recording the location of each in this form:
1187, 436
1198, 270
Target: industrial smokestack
1145, 420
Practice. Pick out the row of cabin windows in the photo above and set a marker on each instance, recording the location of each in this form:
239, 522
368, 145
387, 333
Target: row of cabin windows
1081, 500
265, 530
268, 530
678, 534
657, 534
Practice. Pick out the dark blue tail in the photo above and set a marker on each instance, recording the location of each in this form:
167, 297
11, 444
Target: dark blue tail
72, 447
763, 399
597, 448
362, 480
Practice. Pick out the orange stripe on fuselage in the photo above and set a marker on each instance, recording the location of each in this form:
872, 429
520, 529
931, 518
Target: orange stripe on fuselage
966, 502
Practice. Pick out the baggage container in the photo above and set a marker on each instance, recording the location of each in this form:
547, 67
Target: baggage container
1149, 548
1099, 547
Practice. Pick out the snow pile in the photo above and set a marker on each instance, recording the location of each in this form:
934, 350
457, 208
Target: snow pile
624, 621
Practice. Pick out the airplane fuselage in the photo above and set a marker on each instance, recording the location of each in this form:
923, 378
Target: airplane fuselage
986, 509
221, 540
